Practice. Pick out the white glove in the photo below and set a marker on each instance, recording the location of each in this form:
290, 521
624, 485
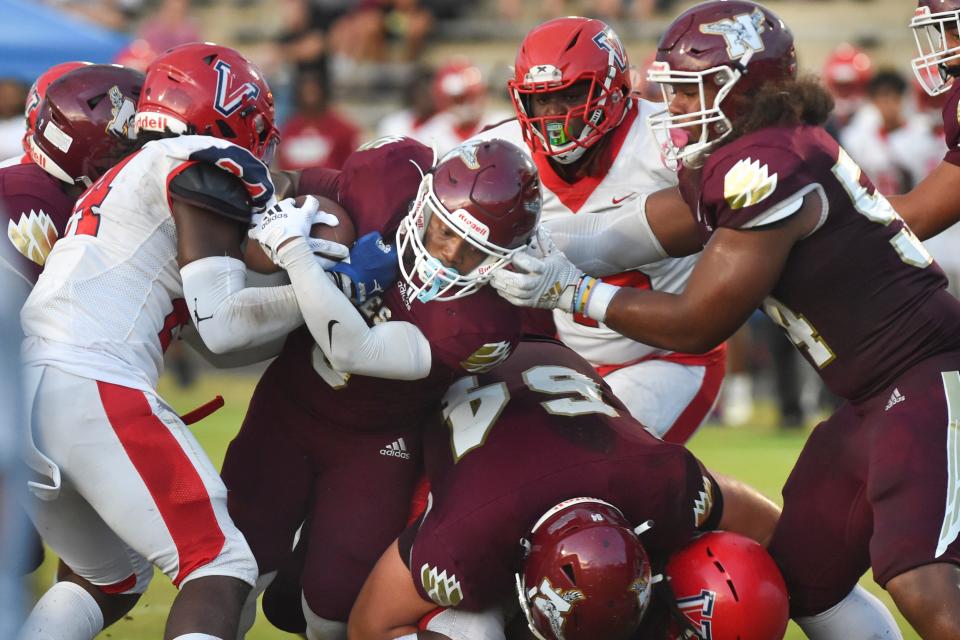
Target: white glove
285, 221
542, 277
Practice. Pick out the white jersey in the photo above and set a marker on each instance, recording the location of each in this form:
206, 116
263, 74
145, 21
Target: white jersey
110, 298
637, 168
13, 161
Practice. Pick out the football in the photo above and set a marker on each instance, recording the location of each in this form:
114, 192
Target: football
344, 233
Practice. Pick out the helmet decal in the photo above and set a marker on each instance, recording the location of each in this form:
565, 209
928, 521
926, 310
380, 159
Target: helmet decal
742, 32
554, 604
698, 609
124, 111
608, 41
227, 101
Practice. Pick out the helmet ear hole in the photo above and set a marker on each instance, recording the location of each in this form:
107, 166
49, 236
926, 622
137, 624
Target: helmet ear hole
226, 131
568, 570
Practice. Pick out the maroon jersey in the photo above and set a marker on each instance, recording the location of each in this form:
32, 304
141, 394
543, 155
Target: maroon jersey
511, 444
951, 124
37, 211
860, 296
466, 335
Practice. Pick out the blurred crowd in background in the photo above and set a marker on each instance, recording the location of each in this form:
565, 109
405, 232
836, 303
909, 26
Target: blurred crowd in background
346, 71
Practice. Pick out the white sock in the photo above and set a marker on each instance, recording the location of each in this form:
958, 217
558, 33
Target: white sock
65, 612
859, 616
197, 636
320, 628
248, 615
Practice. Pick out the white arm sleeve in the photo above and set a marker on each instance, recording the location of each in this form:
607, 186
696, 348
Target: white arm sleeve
396, 350
608, 242
232, 359
229, 315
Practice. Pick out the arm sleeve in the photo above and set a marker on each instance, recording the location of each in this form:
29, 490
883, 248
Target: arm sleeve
229, 315
240, 358
396, 350
605, 243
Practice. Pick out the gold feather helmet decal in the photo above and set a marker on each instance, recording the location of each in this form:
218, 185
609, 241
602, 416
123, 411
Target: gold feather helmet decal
747, 183
487, 357
33, 235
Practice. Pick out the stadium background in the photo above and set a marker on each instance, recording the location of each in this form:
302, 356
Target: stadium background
487, 32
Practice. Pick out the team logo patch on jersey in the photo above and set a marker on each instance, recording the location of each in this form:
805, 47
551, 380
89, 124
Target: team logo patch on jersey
33, 236
698, 610
703, 505
230, 98
487, 357
554, 604
441, 588
747, 183
609, 42
741, 32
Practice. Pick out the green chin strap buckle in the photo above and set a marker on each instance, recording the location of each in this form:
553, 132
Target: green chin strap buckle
556, 134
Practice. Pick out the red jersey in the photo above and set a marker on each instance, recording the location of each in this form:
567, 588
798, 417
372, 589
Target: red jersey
509, 445
323, 140
859, 296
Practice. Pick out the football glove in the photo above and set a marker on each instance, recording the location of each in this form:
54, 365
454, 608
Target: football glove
371, 269
542, 277
285, 221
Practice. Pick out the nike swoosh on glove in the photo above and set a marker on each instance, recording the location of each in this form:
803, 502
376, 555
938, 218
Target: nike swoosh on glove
372, 268
542, 277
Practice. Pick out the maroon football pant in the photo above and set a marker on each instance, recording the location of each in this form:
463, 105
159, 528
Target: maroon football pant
352, 489
877, 485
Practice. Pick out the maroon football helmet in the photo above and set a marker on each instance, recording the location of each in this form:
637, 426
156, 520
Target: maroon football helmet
39, 90
736, 46
207, 89
85, 122
553, 57
489, 194
935, 26
727, 587
585, 575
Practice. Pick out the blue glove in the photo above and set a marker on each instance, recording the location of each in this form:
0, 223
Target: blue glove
372, 268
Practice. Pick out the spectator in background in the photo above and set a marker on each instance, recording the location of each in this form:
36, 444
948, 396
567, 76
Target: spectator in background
169, 25
418, 106
112, 14
316, 135
361, 36
13, 95
137, 55
846, 74
460, 97
895, 150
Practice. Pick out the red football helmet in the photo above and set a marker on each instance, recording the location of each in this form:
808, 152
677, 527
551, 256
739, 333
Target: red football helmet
585, 575
728, 588
489, 194
85, 122
737, 46
846, 74
207, 89
459, 89
553, 57
935, 25
39, 90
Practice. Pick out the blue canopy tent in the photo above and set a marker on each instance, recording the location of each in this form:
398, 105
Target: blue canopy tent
34, 37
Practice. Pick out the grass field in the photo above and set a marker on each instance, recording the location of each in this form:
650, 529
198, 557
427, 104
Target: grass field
758, 454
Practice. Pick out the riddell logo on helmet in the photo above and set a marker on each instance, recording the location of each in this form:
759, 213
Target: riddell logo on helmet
151, 122
468, 223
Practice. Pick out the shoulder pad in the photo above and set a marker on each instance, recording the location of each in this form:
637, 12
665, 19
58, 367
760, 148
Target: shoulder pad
754, 185
205, 186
